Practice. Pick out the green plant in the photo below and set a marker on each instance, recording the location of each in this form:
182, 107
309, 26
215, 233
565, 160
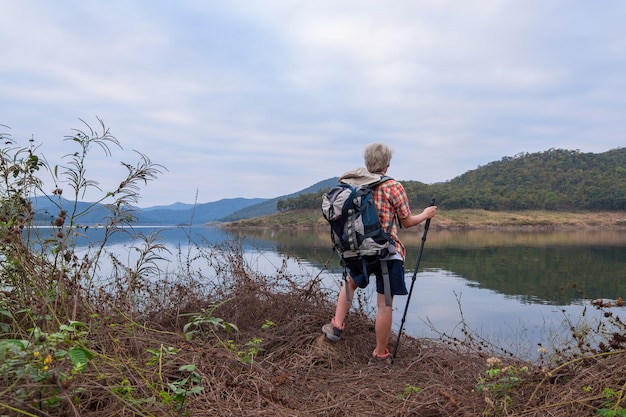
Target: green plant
498, 381
253, 348
158, 355
175, 392
268, 324
612, 406
198, 321
409, 390
44, 347
51, 360
40, 265
180, 390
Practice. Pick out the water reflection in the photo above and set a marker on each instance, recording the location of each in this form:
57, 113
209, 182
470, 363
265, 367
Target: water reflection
532, 267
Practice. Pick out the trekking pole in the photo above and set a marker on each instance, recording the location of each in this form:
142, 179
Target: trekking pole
417, 264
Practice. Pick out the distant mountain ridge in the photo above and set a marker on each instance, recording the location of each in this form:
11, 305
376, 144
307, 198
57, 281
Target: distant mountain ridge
177, 213
552, 180
269, 207
180, 213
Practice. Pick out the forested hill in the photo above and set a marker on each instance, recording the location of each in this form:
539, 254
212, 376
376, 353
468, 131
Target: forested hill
553, 180
556, 179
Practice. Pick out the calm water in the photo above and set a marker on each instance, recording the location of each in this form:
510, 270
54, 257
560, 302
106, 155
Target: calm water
510, 288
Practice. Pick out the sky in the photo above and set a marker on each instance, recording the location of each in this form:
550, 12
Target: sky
263, 98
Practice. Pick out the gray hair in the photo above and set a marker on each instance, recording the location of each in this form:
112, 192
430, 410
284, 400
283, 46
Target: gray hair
377, 157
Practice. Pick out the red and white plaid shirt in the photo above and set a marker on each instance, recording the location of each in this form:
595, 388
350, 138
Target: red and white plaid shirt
390, 199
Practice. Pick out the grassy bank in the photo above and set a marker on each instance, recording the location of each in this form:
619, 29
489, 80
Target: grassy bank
248, 344
460, 219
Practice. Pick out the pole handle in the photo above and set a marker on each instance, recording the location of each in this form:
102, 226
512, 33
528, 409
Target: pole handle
427, 224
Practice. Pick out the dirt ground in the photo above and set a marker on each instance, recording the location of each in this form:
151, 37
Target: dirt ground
176, 358
296, 372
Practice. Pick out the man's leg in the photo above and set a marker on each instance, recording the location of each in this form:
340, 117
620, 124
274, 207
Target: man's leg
385, 312
383, 324
343, 306
334, 329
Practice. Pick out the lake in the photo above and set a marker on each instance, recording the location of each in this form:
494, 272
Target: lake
511, 288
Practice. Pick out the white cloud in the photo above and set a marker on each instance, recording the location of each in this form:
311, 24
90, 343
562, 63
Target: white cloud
270, 97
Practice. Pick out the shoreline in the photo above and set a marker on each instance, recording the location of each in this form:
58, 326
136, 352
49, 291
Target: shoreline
464, 219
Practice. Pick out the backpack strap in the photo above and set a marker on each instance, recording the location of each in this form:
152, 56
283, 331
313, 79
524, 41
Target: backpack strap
382, 179
345, 282
351, 232
386, 283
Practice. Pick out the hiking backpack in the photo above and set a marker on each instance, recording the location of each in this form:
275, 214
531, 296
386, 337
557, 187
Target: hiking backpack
355, 229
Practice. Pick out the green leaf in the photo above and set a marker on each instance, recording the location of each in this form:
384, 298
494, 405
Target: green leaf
14, 345
80, 356
196, 390
76, 324
165, 397
188, 368
60, 353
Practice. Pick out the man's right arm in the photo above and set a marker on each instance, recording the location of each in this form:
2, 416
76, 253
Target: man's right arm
415, 219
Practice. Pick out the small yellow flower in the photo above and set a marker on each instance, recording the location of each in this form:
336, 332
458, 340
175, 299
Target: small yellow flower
36, 354
48, 360
45, 368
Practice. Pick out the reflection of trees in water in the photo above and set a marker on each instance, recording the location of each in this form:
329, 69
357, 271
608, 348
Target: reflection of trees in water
533, 266
541, 273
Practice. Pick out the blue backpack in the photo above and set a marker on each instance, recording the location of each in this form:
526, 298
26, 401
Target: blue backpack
355, 227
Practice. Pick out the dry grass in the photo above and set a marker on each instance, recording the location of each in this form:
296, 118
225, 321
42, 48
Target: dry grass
287, 368
530, 219
461, 219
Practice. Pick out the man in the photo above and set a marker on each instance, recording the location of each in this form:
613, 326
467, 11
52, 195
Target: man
391, 202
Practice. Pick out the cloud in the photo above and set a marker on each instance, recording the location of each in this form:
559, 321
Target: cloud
249, 99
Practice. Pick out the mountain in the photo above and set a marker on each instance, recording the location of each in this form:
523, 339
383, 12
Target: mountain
176, 213
552, 180
556, 179
47, 210
180, 213
269, 207
174, 206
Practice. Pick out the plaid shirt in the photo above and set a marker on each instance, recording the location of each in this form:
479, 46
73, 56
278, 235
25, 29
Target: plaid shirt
390, 200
